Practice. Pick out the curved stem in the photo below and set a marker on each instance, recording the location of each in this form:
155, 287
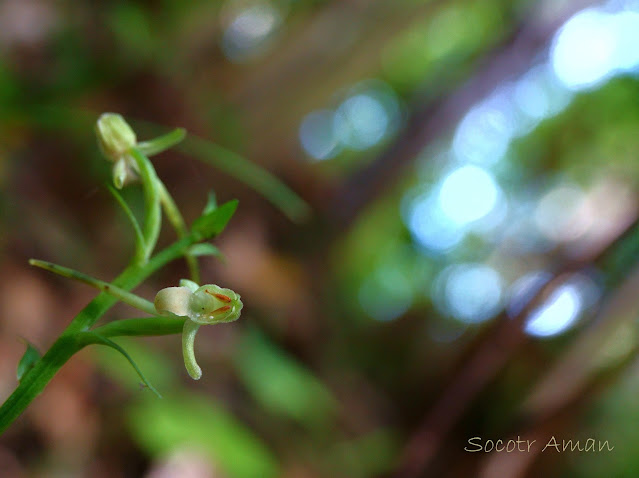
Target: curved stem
177, 221
152, 213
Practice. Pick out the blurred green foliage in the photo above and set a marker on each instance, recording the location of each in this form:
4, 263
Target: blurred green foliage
195, 421
288, 389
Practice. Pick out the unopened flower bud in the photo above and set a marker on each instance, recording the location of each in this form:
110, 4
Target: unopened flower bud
115, 136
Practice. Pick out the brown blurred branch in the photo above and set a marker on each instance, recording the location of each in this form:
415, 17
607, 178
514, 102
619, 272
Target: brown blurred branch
474, 374
432, 119
617, 260
549, 421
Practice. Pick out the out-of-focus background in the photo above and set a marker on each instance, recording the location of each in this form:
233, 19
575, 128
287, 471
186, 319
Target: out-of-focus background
463, 261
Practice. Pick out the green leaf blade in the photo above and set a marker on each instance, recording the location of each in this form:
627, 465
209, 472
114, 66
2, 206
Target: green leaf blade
95, 338
211, 203
198, 421
213, 223
281, 384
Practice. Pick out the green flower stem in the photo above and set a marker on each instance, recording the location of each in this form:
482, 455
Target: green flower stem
188, 342
144, 326
156, 194
70, 342
34, 380
177, 221
121, 294
152, 212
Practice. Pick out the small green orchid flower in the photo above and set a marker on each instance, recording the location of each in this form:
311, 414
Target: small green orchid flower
117, 141
208, 304
116, 138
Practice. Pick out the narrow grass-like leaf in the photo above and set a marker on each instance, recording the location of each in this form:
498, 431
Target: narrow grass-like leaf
139, 238
237, 166
162, 143
98, 339
28, 360
269, 186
